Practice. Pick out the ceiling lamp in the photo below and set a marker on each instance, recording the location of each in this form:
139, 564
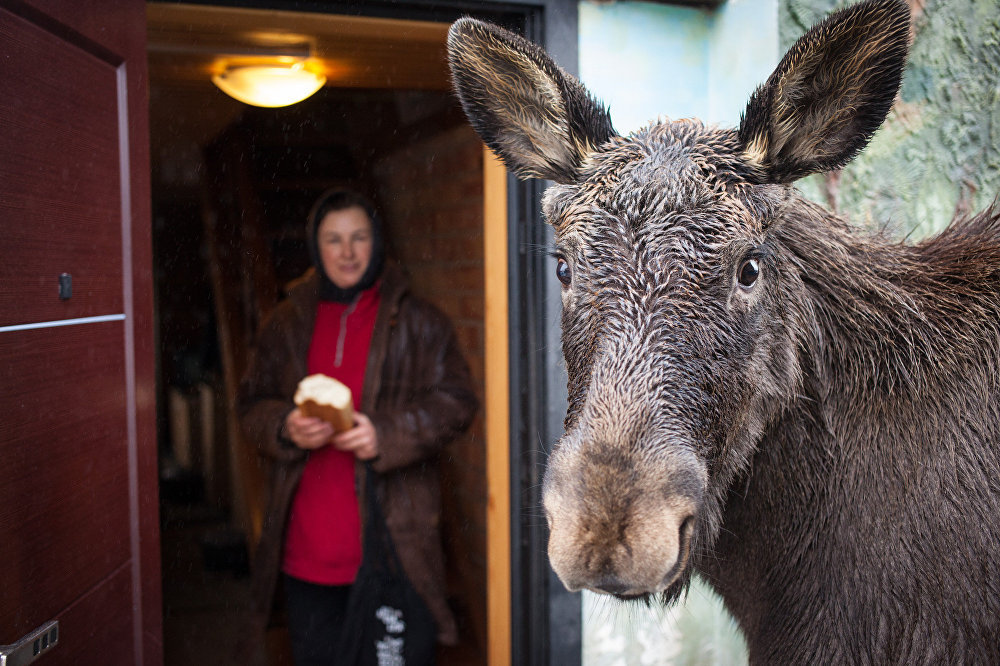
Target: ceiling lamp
270, 82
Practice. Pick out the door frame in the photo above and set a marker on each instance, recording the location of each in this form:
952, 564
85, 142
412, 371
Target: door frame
532, 619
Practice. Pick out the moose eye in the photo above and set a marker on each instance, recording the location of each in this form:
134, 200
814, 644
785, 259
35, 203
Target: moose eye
562, 272
749, 271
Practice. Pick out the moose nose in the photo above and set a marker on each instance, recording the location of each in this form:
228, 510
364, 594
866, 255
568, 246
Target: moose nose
619, 524
605, 558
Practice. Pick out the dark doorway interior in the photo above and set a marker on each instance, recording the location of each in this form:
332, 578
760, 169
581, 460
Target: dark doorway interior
231, 187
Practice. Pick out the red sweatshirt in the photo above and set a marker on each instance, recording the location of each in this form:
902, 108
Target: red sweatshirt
323, 538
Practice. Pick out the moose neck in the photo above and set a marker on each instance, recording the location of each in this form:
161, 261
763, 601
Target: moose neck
876, 312
894, 340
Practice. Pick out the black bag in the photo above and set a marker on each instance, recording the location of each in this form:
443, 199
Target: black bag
387, 622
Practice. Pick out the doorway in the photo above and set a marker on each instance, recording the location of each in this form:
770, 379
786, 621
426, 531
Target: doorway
231, 188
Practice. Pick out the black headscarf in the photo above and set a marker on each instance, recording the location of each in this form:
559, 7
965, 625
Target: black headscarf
334, 200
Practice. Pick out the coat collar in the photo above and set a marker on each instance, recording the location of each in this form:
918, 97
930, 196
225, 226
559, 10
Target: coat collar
303, 292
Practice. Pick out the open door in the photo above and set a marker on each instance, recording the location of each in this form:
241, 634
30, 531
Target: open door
79, 540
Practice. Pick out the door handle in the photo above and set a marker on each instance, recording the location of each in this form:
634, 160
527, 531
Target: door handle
31, 646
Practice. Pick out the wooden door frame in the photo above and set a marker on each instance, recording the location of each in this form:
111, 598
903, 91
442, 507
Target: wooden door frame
544, 619
498, 464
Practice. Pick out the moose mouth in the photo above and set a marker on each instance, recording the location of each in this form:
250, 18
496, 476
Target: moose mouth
675, 579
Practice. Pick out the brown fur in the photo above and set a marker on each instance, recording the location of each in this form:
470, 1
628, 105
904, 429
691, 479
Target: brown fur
804, 414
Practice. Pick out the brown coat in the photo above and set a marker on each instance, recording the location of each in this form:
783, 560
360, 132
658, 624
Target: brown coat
419, 395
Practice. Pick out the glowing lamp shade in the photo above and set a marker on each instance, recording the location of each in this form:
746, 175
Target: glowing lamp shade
271, 84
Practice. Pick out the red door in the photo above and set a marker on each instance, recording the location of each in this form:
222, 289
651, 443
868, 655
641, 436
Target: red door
79, 539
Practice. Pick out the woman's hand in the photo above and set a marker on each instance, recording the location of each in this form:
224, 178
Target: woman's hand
307, 432
360, 440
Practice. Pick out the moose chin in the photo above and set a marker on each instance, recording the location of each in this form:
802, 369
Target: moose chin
805, 414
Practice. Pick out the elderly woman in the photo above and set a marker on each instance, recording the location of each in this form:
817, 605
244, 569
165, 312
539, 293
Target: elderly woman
353, 318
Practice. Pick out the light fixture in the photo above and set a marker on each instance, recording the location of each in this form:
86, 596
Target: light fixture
269, 82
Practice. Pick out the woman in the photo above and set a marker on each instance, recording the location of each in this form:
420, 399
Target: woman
351, 317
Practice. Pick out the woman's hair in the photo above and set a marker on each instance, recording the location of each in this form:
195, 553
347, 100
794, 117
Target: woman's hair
332, 201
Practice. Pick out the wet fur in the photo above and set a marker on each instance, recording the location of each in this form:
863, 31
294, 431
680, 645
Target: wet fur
835, 429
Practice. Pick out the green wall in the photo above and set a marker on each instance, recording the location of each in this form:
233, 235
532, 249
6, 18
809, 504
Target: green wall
938, 153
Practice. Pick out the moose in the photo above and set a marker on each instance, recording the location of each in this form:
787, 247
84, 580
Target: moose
804, 413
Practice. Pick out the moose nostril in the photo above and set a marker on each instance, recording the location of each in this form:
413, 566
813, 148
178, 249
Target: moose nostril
684, 539
683, 550
687, 526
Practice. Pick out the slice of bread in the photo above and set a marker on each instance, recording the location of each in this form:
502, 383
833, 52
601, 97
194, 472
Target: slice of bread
326, 398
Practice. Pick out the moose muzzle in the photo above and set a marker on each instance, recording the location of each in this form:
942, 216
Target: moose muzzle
621, 519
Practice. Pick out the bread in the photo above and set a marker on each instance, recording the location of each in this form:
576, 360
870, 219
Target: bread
326, 398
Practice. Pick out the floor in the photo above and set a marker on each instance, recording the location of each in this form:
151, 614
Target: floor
204, 607
206, 593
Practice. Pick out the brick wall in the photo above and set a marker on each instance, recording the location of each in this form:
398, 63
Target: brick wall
430, 194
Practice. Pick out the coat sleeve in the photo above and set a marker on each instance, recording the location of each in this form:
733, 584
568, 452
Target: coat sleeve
263, 397
438, 407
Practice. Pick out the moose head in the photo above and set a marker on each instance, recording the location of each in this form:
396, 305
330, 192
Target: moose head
684, 305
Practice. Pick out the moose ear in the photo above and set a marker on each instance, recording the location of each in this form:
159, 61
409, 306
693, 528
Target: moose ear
540, 120
829, 93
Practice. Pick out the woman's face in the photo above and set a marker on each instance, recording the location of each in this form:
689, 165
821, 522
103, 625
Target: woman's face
345, 245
